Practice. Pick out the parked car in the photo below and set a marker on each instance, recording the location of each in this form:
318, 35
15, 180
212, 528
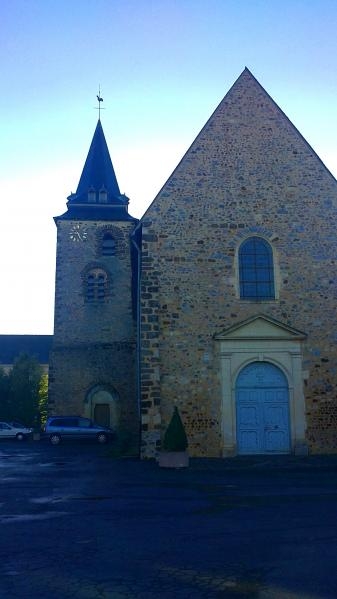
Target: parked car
76, 427
17, 424
14, 430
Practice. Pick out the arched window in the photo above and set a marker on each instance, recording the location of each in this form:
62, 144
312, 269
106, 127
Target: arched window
96, 285
108, 245
256, 270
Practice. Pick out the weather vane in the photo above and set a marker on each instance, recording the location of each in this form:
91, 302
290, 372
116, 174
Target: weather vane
100, 99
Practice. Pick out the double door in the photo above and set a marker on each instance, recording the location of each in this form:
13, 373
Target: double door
262, 410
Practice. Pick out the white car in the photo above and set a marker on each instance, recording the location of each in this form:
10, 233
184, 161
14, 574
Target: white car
14, 431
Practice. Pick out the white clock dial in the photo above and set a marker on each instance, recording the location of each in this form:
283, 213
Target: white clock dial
78, 232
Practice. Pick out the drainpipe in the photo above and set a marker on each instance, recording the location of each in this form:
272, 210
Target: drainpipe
138, 352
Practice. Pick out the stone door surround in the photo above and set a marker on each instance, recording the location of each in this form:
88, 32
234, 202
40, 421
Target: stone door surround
261, 338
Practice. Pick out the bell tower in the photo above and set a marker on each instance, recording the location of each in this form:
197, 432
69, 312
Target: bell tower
93, 357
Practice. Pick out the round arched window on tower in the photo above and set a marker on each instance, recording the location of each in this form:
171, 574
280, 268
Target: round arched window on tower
96, 285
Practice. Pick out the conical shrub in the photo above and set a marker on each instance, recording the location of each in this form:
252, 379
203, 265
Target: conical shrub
175, 437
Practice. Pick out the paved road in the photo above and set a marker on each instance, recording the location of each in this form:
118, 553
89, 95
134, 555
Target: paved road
77, 523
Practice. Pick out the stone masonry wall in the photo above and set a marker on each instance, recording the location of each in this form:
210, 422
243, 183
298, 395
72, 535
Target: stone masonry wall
94, 343
249, 172
75, 320
83, 368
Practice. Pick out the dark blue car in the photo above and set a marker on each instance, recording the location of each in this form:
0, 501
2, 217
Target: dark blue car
76, 427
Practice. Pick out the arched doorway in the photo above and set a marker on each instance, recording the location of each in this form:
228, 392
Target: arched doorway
103, 406
262, 410
102, 414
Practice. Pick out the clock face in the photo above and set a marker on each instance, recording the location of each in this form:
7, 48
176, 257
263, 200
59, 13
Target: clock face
78, 232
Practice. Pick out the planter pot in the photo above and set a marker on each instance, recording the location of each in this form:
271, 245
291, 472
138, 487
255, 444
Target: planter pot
173, 459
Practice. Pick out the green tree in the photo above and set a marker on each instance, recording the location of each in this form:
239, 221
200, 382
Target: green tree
43, 399
5, 406
24, 382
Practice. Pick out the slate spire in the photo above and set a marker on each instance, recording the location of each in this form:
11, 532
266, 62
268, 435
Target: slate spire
98, 172
98, 194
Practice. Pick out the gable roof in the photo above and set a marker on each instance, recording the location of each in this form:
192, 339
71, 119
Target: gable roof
246, 127
11, 346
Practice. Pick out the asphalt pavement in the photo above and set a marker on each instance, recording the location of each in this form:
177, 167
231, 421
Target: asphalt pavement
78, 523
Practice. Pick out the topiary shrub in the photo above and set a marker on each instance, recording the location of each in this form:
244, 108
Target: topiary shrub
175, 438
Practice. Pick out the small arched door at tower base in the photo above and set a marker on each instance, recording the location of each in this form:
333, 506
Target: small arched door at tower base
103, 406
102, 414
262, 410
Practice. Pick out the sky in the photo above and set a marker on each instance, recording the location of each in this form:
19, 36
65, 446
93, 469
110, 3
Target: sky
162, 67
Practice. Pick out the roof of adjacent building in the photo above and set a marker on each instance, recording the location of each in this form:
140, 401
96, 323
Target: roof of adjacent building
11, 346
97, 196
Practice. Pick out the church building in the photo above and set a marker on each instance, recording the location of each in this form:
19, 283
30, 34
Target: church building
221, 300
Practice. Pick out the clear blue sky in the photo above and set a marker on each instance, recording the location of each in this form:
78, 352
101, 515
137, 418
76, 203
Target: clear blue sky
163, 66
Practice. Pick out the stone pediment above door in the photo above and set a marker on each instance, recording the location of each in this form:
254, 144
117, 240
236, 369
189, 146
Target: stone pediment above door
260, 327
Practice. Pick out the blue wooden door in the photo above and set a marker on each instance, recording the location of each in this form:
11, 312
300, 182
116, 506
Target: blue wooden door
262, 410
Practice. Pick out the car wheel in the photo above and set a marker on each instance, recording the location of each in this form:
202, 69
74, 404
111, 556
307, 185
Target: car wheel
102, 438
55, 439
20, 437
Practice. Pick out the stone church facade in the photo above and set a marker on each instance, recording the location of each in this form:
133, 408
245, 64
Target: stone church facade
222, 300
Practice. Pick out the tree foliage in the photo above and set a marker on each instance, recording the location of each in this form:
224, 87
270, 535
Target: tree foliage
43, 398
23, 391
5, 408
